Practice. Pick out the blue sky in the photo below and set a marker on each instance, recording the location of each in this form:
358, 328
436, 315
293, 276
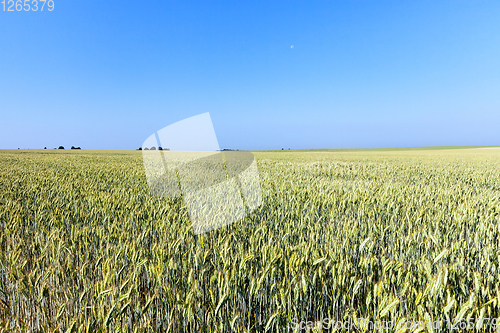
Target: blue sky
107, 74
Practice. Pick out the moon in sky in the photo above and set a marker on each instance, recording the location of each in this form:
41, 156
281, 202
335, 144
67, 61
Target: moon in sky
291, 47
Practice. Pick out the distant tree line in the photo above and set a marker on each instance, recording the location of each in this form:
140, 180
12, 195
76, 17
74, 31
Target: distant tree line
153, 148
62, 147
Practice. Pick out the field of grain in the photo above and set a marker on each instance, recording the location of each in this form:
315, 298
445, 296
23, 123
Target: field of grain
394, 235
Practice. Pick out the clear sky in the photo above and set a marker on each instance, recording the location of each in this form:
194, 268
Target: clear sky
108, 74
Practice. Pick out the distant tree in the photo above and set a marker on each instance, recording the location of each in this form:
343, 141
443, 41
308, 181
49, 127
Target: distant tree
152, 148
146, 148
140, 148
160, 148
281, 148
73, 147
45, 148
60, 147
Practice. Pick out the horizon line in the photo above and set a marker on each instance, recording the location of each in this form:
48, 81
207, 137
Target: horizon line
290, 149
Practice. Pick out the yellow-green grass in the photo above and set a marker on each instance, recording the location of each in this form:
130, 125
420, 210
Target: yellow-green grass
387, 235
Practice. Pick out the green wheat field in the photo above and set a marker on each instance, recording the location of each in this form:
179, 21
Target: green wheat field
382, 234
